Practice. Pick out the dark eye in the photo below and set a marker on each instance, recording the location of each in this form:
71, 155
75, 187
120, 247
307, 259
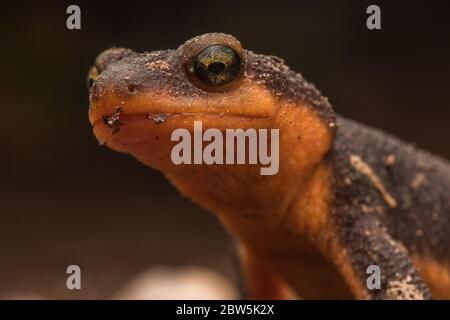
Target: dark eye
217, 65
92, 76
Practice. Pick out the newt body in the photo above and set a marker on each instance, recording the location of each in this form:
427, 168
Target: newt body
346, 196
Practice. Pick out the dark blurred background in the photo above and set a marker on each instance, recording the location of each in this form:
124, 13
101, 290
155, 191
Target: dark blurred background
65, 200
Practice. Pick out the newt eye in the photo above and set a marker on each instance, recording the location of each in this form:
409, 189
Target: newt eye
92, 76
217, 65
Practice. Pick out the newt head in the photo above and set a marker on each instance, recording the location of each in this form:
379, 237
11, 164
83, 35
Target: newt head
137, 100
207, 78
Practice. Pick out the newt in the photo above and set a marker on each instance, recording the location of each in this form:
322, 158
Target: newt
346, 196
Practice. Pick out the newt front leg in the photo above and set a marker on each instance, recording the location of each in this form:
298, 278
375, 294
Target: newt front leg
368, 243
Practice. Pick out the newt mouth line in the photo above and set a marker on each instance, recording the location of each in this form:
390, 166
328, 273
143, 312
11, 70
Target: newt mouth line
119, 116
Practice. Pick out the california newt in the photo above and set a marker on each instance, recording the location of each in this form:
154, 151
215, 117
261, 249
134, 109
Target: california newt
345, 197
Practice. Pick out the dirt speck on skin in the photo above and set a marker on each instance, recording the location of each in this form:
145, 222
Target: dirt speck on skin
158, 64
403, 290
157, 118
418, 181
389, 161
366, 170
113, 121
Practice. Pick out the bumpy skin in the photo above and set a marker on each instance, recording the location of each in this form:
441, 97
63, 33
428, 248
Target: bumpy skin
346, 197
376, 233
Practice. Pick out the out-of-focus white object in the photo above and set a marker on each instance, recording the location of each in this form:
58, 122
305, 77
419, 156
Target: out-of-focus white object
172, 283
